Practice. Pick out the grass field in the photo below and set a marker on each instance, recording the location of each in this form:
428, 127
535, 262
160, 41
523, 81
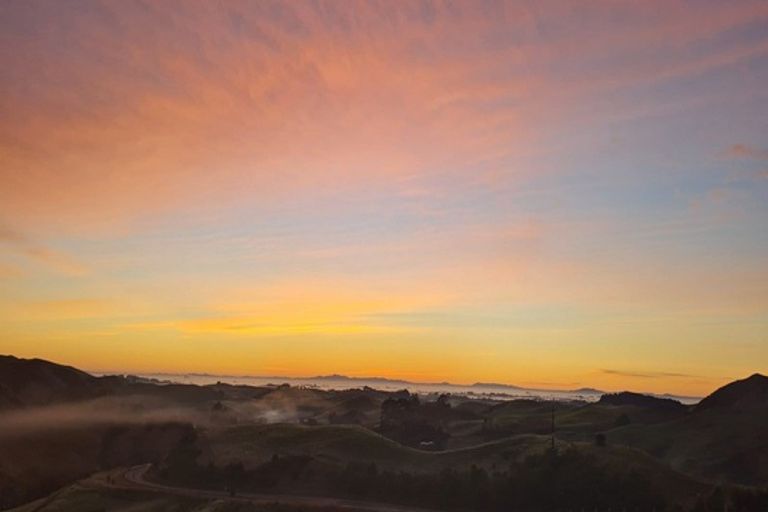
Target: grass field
340, 445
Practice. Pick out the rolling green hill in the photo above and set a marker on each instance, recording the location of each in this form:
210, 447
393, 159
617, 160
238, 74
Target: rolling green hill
722, 439
344, 445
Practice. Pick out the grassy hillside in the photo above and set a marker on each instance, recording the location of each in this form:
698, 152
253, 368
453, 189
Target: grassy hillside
716, 446
573, 420
721, 439
351, 461
254, 445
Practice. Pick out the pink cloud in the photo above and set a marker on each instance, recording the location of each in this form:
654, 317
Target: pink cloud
54, 260
168, 108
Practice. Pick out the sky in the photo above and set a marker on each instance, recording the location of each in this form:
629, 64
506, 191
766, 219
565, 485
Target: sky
539, 193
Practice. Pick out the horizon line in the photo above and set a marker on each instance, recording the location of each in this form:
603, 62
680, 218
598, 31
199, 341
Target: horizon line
393, 380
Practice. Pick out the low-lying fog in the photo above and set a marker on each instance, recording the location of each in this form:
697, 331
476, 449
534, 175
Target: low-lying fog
339, 383
139, 409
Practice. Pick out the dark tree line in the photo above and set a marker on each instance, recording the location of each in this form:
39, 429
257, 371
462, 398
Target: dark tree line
569, 480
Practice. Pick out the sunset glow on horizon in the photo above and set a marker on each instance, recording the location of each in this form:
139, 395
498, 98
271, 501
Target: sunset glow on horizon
531, 193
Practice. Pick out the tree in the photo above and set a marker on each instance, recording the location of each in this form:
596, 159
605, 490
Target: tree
622, 420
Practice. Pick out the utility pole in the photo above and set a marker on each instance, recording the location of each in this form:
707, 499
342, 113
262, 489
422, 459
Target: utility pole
553, 425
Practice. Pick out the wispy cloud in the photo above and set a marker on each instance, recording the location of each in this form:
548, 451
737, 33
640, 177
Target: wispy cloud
57, 261
647, 374
9, 271
61, 309
744, 151
217, 101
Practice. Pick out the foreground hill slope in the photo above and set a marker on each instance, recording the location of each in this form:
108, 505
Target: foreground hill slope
722, 439
33, 464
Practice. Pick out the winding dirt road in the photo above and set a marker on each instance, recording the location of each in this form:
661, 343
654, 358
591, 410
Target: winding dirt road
135, 479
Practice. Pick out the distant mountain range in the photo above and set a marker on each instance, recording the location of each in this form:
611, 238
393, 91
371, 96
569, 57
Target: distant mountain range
482, 386
485, 387
478, 387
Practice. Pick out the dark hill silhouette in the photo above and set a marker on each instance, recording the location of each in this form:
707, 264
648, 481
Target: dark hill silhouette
36, 382
27, 382
640, 400
742, 395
